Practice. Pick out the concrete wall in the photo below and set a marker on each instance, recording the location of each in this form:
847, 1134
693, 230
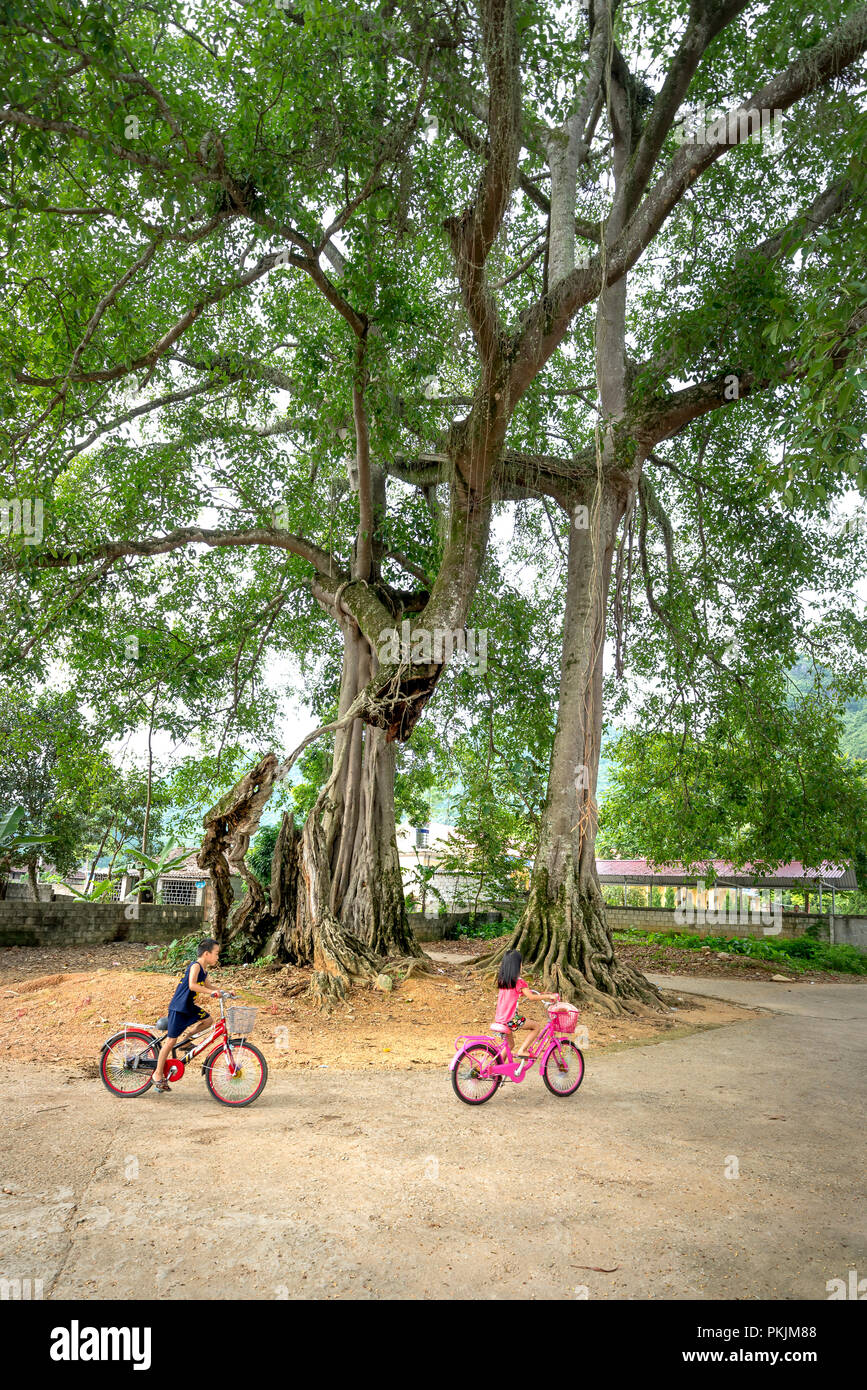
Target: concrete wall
19, 891
440, 927
69, 922
849, 930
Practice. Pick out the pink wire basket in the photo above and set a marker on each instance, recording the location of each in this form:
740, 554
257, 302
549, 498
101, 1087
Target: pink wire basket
564, 1018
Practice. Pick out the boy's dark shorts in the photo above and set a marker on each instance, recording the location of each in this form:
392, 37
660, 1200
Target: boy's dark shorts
178, 1022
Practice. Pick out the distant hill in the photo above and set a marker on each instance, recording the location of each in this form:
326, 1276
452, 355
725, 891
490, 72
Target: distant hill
854, 741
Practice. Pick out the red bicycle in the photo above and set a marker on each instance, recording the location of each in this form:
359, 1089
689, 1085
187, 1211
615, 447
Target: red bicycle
235, 1070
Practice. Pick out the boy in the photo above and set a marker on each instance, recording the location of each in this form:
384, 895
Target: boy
183, 1010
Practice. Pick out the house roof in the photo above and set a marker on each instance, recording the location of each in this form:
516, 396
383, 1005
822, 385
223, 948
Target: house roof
189, 868
791, 875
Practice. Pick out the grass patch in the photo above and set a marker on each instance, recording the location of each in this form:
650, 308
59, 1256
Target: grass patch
486, 931
800, 953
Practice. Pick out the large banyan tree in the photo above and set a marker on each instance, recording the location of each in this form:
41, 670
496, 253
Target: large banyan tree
499, 253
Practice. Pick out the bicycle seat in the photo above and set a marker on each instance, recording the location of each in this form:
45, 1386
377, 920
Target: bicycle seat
162, 1023
498, 1028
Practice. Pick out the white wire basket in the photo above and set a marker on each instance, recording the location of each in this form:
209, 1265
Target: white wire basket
240, 1019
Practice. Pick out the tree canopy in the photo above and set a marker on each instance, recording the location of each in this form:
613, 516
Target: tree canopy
298, 301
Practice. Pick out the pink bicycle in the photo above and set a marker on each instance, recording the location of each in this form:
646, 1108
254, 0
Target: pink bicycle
481, 1063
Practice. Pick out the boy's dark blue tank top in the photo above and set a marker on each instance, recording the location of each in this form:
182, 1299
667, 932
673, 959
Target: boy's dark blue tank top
183, 999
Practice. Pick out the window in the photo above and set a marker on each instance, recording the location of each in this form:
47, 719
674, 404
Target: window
178, 891
113, 894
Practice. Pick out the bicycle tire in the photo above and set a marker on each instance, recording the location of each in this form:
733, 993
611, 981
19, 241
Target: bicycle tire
138, 1035
551, 1060
239, 1045
496, 1080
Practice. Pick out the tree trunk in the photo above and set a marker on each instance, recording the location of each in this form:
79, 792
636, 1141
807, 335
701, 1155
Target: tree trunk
147, 814
563, 934
336, 899
366, 889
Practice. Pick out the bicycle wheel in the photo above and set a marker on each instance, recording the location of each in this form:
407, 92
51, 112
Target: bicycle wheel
468, 1083
115, 1067
564, 1069
248, 1082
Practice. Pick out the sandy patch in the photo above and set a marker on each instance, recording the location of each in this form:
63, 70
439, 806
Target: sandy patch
63, 1018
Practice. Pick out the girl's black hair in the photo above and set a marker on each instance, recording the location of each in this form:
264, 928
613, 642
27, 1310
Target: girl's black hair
510, 969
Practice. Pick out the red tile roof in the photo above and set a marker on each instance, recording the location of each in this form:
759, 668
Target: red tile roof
793, 874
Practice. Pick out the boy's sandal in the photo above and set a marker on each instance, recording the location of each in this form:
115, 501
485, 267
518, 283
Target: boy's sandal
162, 1086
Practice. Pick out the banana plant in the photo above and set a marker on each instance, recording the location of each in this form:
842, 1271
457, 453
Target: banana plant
153, 869
95, 893
10, 841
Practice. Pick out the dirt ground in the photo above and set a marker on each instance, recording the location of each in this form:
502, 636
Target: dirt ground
57, 1007
722, 1164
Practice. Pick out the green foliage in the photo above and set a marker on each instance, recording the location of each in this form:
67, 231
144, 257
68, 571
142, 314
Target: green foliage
761, 784
726, 747
261, 853
424, 895
178, 953
313, 770
854, 741
116, 826
99, 890
10, 840
486, 931
50, 771
799, 953
152, 869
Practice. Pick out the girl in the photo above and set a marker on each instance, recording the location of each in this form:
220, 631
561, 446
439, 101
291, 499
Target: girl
511, 989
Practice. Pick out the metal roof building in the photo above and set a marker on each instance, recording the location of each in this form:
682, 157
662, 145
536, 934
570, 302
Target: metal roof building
840, 877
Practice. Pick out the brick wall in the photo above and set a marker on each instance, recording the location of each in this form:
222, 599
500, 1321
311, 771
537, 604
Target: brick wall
442, 925
70, 922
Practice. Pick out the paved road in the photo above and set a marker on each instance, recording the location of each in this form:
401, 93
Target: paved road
384, 1185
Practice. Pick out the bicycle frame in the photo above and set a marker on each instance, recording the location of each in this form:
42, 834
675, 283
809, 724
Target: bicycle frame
515, 1068
176, 1066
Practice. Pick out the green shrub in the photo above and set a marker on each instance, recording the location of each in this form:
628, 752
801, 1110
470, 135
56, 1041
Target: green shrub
485, 931
800, 952
183, 949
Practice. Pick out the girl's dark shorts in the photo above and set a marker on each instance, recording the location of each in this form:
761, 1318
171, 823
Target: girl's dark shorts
516, 1021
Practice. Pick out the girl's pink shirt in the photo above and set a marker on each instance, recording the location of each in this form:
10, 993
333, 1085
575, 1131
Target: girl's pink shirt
507, 1002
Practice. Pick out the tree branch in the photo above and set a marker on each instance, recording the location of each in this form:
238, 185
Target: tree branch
473, 232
